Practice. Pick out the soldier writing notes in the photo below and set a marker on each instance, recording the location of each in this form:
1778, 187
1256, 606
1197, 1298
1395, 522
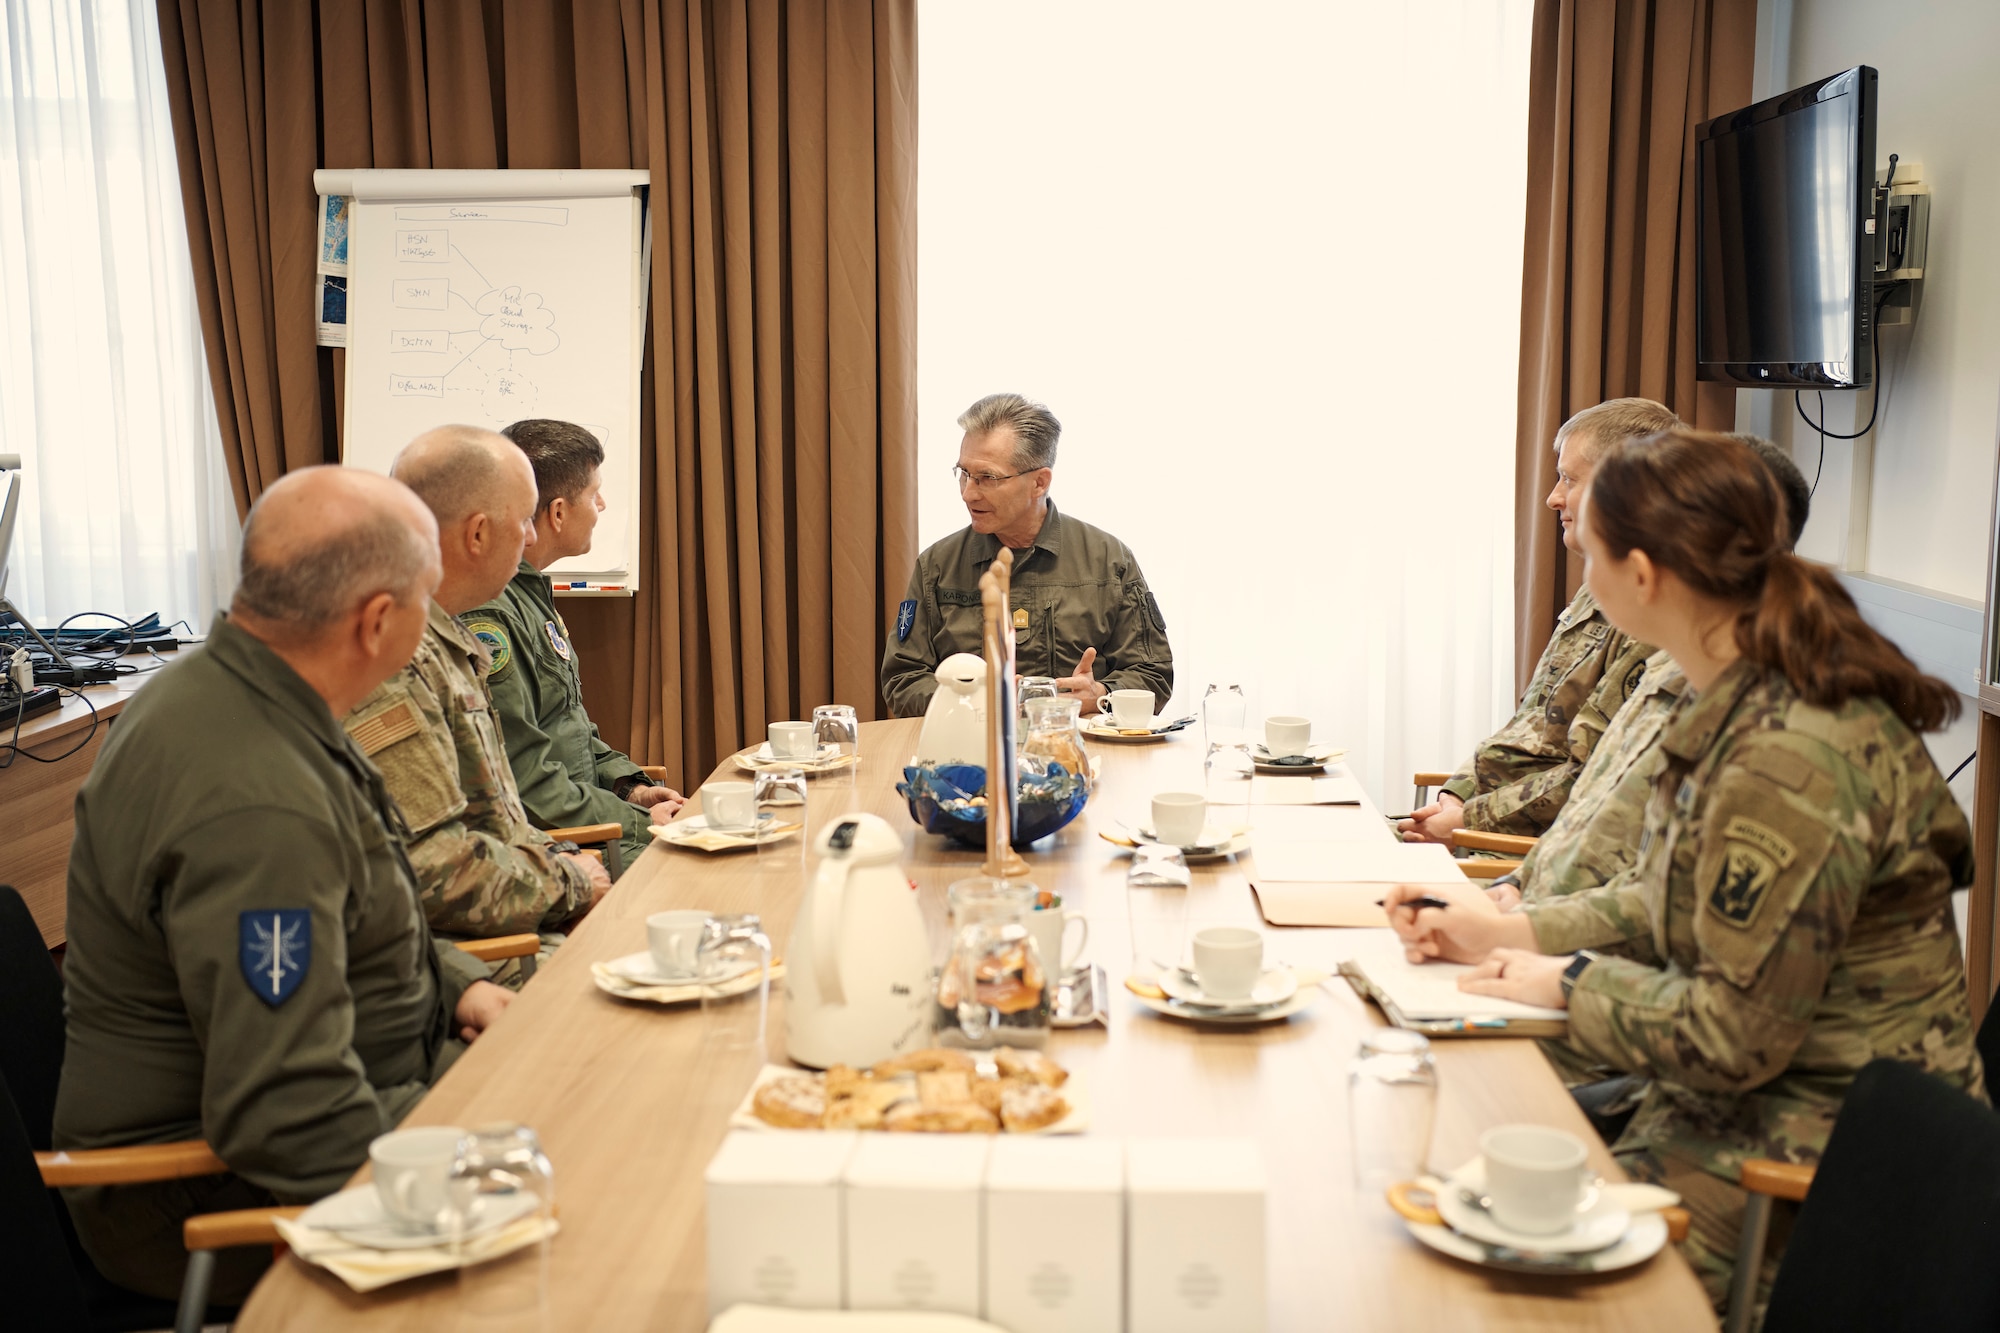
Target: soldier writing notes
1082, 611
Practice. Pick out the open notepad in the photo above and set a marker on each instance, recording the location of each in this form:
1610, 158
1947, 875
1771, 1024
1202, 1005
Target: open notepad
1334, 787
1327, 883
1425, 997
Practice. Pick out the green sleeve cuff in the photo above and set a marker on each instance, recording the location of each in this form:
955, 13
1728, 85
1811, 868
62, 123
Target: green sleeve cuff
1461, 786
457, 970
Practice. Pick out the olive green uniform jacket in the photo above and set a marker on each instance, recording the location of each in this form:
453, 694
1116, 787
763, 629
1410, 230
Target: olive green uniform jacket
1077, 587
248, 961
482, 868
566, 774
1519, 777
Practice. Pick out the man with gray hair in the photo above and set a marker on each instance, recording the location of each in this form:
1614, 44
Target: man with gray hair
1080, 602
482, 868
248, 961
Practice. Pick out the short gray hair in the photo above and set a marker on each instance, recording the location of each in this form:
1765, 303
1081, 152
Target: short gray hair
1035, 428
1791, 482
453, 470
312, 587
1617, 419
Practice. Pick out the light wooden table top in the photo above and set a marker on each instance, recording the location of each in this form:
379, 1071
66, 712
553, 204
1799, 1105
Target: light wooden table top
630, 1106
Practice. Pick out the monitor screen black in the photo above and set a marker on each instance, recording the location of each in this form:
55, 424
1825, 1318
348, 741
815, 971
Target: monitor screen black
1784, 263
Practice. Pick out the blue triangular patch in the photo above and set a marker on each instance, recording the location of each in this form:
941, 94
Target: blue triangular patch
274, 946
906, 616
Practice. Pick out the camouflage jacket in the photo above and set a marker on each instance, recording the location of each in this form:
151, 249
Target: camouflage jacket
1077, 587
1596, 837
1790, 919
1519, 777
482, 868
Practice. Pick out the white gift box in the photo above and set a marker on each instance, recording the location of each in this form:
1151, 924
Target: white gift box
1055, 1234
1195, 1235
774, 1219
912, 1203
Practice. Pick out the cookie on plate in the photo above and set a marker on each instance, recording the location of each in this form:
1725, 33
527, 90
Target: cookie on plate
1031, 1065
1028, 1106
796, 1101
926, 1061
944, 1087
964, 1118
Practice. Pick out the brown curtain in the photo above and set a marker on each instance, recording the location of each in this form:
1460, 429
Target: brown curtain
1616, 90
778, 514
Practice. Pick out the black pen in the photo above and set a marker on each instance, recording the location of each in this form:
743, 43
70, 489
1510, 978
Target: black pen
1417, 904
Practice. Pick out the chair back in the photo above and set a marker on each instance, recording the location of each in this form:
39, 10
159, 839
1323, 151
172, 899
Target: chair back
37, 1274
31, 1038
1987, 1039
1898, 1230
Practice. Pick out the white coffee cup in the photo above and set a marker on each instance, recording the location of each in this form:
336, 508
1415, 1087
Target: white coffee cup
1227, 961
729, 805
1287, 736
1050, 927
1536, 1177
1179, 817
413, 1173
1128, 708
793, 740
673, 938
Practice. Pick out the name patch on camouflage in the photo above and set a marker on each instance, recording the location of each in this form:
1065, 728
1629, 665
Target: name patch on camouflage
274, 947
495, 641
1632, 679
556, 640
1752, 859
906, 616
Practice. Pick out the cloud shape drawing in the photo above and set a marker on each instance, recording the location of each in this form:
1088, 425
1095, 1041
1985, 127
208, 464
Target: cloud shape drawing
518, 321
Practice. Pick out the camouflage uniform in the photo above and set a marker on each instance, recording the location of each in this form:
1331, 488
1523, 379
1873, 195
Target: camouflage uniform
1520, 776
566, 774
1077, 587
1789, 920
483, 869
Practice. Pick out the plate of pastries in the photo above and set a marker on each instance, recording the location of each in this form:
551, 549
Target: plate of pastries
932, 1091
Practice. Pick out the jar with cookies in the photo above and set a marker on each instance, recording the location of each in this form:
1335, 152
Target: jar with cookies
994, 989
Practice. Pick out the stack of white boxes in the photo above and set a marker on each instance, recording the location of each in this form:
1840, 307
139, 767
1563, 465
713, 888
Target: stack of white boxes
1036, 1234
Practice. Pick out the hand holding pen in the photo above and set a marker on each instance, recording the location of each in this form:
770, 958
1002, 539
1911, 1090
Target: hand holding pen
1455, 923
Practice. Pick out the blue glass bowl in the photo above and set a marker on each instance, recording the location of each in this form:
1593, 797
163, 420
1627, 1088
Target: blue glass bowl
939, 794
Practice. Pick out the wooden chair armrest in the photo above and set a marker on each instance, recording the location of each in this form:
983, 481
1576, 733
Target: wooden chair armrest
1429, 779
502, 946
1488, 868
1507, 844
1780, 1180
1677, 1220
588, 833
136, 1164
657, 772
245, 1226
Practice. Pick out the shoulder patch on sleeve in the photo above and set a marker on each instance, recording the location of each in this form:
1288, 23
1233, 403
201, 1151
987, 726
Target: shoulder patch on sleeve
1781, 766
376, 732
494, 640
906, 616
1153, 609
274, 948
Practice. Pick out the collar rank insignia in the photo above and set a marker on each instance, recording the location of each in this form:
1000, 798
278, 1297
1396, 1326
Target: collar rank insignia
274, 946
556, 640
1020, 617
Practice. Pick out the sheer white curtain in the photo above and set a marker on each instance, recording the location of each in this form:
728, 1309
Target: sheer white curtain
1264, 263
103, 388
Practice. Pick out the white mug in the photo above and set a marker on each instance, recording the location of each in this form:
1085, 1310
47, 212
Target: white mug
1179, 817
793, 740
413, 1173
1050, 927
1287, 736
1227, 961
1536, 1177
673, 938
1128, 708
729, 805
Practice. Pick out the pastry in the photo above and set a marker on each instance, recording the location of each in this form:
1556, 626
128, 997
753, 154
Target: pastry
1028, 1106
925, 1061
842, 1081
986, 1092
796, 1101
1031, 1065
944, 1087
964, 1118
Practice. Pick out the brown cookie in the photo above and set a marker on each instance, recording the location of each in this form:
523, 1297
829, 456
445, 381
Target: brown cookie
1028, 1106
925, 1061
1031, 1065
964, 1118
944, 1087
796, 1101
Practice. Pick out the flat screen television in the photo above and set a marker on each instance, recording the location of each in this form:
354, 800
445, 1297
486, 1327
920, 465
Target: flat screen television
1784, 256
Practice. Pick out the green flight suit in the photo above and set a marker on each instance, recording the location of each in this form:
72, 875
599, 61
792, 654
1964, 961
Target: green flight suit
566, 774
1077, 587
1788, 920
248, 961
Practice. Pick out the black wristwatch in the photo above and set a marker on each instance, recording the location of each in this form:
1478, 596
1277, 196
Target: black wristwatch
1574, 972
624, 787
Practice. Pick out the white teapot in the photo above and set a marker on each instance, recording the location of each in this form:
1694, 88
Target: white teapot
955, 723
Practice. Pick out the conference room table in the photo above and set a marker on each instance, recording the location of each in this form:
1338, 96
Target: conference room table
631, 1103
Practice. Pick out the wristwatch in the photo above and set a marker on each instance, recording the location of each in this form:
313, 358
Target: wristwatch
1574, 972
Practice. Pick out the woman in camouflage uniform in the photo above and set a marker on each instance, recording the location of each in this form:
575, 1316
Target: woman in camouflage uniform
1789, 916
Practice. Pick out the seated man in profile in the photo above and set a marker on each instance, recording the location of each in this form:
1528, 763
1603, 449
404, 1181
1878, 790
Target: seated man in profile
1079, 599
248, 961
566, 774
482, 869
1519, 777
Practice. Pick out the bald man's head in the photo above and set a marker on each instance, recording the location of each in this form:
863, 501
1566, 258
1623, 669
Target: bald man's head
481, 488
324, 540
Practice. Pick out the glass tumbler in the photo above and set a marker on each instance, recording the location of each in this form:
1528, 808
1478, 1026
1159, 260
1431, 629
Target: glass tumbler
1156, 886
501, 1184
836, 724
1391, 1103
1226, 738
781, 802
733, 969
994, 990
1028, 689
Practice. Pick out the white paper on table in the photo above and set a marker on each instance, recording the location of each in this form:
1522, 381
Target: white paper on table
1336, 787
1426, 991
1321, 883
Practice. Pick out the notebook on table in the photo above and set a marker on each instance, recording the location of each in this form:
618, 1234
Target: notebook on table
1424, 997
1330, 883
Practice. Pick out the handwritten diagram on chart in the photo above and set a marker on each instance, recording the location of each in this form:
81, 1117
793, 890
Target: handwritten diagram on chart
491, 313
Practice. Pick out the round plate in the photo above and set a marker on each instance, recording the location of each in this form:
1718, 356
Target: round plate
1597, 1227
682, 832
1278, 1013
1238, 842
759, 758
637, 968
1646, 1237
356, 1215
1110, 733
1275, 985
1321, 754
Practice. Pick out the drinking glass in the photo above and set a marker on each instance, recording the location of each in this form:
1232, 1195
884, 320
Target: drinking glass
1156, 897
781, 795
1391, 1102
733, 970
835, 724
501, 1170
1226, 737
1029, 688
994, 990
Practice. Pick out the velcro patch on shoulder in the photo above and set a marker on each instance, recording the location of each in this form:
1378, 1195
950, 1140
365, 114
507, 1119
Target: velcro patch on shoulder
1754, 856
958, 596
499, 648
1781, 766
378, 731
